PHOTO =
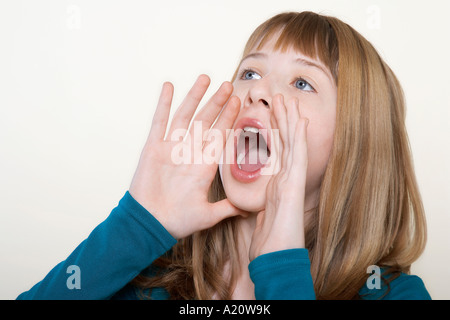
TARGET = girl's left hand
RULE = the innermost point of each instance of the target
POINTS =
(280, 226)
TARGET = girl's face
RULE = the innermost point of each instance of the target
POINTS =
(262, 75)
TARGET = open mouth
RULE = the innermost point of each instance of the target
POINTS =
(252, 150)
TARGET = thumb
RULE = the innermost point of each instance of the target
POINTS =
(260, 217)
(260, 220)
(225, 209)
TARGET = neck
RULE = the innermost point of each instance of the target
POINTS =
(244, 288)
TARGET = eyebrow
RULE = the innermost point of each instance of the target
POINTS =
(255, 55)
(312, 64)
(308, 63)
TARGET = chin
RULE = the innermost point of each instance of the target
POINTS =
(242, 203)
(250, 196)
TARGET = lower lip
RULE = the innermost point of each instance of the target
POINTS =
(240, 175)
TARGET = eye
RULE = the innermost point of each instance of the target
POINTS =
(250, 75)
(302, 84)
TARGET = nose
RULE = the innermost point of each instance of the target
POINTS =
(259, 94)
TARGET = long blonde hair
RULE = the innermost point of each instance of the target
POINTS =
(369, 210)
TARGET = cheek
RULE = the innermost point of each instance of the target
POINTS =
(320, 142)
(240, 91)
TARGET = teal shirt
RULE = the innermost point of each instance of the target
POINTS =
(130, 239)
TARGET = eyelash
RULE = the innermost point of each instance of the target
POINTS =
(242, 77)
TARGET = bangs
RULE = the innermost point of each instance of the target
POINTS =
(305, 32)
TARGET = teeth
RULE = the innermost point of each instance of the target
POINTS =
(251, 129)
(239, 159)
(253, 143)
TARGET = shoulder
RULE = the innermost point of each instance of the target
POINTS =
(401, 287)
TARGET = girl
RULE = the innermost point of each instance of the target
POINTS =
(341, 198)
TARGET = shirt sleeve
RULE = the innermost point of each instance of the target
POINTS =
(283, 275)
(404, 287)
(115, 252)
(408, 287)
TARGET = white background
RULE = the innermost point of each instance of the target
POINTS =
(79, 81)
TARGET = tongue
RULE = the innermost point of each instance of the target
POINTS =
(254, 159)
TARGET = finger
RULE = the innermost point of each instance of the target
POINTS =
(218, 134)
(185, 112)
(260, 220)
(280, 113)
(273, 165)
(221, 210)
(293, 117)
(162, 112)
(300, 150)
(205, 118)
(208, 114)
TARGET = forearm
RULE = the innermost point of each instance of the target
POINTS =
(283, 275)
(115, 252)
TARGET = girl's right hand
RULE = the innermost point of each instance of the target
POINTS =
(176, 194)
